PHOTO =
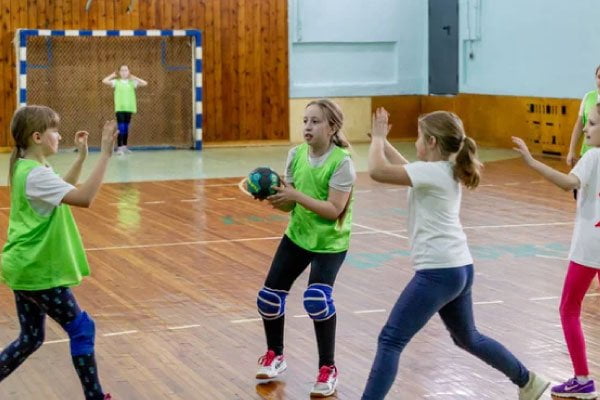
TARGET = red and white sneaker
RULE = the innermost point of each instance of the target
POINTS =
(326, 382)
(107, 397)
(270, 365)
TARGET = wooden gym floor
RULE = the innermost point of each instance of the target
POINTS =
(177, 264)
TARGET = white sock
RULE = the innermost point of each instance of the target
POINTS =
(582, 379)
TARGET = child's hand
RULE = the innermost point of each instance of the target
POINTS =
(285, 194)
(522, 149)
(380, 127)
(571, 159)
(81, 143)
(109, 135)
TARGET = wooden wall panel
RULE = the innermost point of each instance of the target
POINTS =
(545, 123)
(245, 51)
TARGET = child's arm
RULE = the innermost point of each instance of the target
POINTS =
(575, 135)
(84, 195)
(562, 180)
(140, 82)
(391, 153)
(386, 168)
(330, 209)
(108, 80)
(72, 176)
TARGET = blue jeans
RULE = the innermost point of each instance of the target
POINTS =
(446, 291)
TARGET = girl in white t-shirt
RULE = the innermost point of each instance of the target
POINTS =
(584, 255)
(444, 267)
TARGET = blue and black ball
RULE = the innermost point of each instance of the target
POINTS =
(261, 182)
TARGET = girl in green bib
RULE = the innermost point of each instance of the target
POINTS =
(318, 186)
(589, 100)
(43, 255)
(125, 102)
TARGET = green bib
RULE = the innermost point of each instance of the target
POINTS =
(41, 252)
(125, 96)
(307, 229)
(590, 100)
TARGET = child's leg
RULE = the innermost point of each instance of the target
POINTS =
(289, 262)
(576, 284)
(318, 299)
(458, 318)
(122, 128)
(61, 306)
(126, 123)
(425, 294)
(32, 319)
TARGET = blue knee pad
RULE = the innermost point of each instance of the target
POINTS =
(82, 332)
(318, 301)
(123, 128)
(271, 303)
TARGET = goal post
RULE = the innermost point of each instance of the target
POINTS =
(63, 69)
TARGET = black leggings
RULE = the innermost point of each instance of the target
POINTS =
(123, 121)
(289, 262)
(61, 306)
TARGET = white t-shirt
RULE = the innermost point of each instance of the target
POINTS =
(45, 189)
(343, 177)
(437, 239)
(113, 82)
(585, 245)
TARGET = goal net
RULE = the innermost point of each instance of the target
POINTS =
(64, 70)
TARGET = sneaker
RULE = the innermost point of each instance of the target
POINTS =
(119, 151)
(107, 396)
(574, 390)
(534, 389)
(126, 150)
(270, 365)
(326, 382)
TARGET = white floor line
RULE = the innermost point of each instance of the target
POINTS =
(120, 333)
(380, 231)
(189, 200)
(363, 191)
(301, 316)
(552, 257)
(518, 225)
(56, 341)
(512, 183)
(543, 298)
(155, 202)
(381, 310)
(175, 328)
(242, 321)
(227, 198)
(488, 302)
(172, 244)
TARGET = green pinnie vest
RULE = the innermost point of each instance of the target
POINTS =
(307, 229)
(590, 100)
(41, 252)
(125, 96)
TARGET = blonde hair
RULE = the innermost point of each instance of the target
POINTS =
(25, 122)
(448, 130)
(335, 118)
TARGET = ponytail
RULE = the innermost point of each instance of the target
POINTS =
(14, 156)
(467, 168)
(340, 140)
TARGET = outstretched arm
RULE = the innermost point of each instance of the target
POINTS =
(108, 79)
(560, 179)
(140, 82)
(386, 164)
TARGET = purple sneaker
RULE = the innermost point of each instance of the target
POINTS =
(575, 390)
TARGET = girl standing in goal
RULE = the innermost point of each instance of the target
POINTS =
(125, 102)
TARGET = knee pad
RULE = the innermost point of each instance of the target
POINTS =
(123, 127)
(271, 303)
(82, 332)
(318, 301)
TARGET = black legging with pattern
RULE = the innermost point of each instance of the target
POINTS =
(61, 306)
